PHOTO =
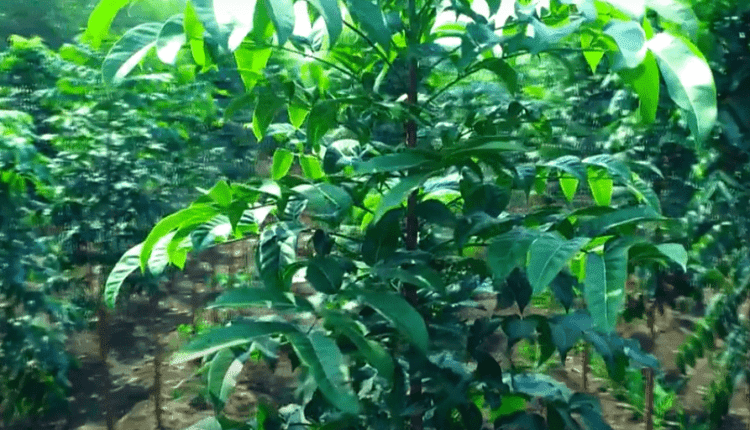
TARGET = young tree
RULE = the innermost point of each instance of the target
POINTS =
(395, 217)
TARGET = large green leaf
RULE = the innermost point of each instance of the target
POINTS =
(605, 283)
(127, 264)
(251, 60)
(397, 194)
(282, 162)
(329, 10)
(631, 40)
(382, 238)
(629, 215)
(248, 297)
(325, 274)
(101, 19)
(398, 162)
(194, 32)
(239, 333)
(370, 17)
(503, 70)
(217, 371)
(127, 52)
(227, 21)
(601, 185)
(635, 9)
(321, 119)
(644, 80)
(277, 248)
(281, 13)
(191, 215)
(548, 254)
(675, 252)
(678, 13)
(689, 81)
(325, 361)
(325, 202)
(171, 39)
(405, 319)
(373, 352)
(569, 164)
(508, 251)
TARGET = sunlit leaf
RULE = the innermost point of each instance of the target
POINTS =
(689, 81)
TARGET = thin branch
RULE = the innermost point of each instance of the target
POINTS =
(374, 46)
(313, 57)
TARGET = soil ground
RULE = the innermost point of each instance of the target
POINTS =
(132, 351)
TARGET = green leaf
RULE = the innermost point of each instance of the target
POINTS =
(277, 248)
(603, 223)
(325, 274)
(297, 114)
(398, 162)
(635, 9)
(321, 119)
(171, 39)
(373, 352)
(227, 21)
(520, 288)
(100, 21)
(605, 283)
(281, 13)
(395, 196)
(404, 318)
(370, 17)
(548, 255)
(124, 267)
(538, 385)
(325, 361)
(569, 186)
(217, 370)
(562, 288)
(503, 70)
(617, 169)
(282, 162)
(250, 64)
(601, 185)
(644, 80)
(325, 202)
(158, 260)
(191, 215)
(266, 109)
(508, 251)
(239, 333)
(418, 275)
(593, 57)
(311, 167)
(631, 40)
(569, 164)
(238, 298)
(127, 52)
(678, 13)
(689, 81)
(675, 252)
(194, 32)
(329, 10)
(382, 238)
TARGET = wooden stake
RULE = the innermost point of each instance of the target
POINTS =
(158, 357)
(585, 370)
(648, 378)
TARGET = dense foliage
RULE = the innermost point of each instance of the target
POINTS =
(431, 152)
